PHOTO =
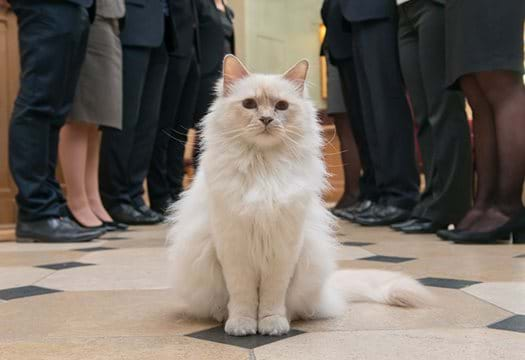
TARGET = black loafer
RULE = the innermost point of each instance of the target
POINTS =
(401, 225)
(154, 216)
(422, 227)
(127, 214)
(115, 226)
(383, 215)
(55, 230)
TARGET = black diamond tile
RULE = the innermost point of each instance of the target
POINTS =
(62, 266)
(520, 256)
(356, 243)
(25, 291)
(447, 283)
(218, 335)
(389, 259)
(98, 248)
(514, 323)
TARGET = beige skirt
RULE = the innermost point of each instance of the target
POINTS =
(98, 98)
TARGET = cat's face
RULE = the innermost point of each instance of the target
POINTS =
(264, 110)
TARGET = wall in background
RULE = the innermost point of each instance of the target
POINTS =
(272, 35)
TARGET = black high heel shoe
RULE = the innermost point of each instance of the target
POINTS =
(115, 226)
(99, 227)
(513, 230)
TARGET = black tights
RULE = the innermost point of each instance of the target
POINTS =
(350, 160)
(497, 99)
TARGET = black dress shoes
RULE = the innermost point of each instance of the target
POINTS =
(151, 215)
(161, 207)
(55, 230)
(360, 208)
(381, 215)
(403, 224)
(115, 226)
(422, 226)
(127, 214)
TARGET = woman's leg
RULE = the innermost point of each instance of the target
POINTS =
(350, 160)
(92, 188)
(73, 148)
(506, 94)
(485, 144)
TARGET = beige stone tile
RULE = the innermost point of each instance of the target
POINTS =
(34, 258)
(13, 246)
(428, 344)
(352, 252)
(99, 314)
(21, 276)
(130, 256)
(469, 267)
(507, 295)
(109, 277)
(453, 309)
(128, 348)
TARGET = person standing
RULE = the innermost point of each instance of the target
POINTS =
(166, 170)
(217, 36)
(385, 110)
(149, 34)
(485, 59)
(443, 130)
(51, 54)
(344, 105)
(97, 104)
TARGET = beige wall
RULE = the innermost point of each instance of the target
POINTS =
(274, 34)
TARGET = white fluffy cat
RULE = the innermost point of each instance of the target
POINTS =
(251, 242)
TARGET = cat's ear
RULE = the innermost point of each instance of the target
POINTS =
(232, 70)
(297, 74)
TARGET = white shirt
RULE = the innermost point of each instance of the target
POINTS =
(399, 2)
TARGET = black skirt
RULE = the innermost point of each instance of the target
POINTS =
(483, 35)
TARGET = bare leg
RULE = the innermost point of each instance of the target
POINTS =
(73, 147)
(350, 160)
(92, 188)
(485, 145)
(506, 95)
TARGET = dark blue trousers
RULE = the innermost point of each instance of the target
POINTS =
(52, 40)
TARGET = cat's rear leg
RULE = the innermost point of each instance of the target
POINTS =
(199, 287)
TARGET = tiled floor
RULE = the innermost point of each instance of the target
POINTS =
(110, 299)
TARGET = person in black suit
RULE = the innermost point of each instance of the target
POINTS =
(338, 43)
(385, 110)
(51, 54)
(149, 33)
(217, 36)
(443, 131)
(166, 170)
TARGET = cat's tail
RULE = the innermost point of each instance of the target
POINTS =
(385, 287)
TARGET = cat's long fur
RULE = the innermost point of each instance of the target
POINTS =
(251, 242)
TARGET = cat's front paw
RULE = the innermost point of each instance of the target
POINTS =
(241, 326)
(274, 325)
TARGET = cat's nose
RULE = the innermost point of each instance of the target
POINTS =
(266, 119)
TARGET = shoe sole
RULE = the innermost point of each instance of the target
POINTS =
(28, 239)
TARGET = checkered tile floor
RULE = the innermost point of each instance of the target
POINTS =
(111, 299)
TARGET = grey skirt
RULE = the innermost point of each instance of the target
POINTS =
(98, 98)
(483, 35)
(335, 102)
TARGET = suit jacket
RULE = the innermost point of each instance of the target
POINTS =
(146, 25)
(211, 36)
(185, 16)
(338, 39)
(362, 10)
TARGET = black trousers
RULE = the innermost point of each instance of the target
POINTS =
(387, 119)
(368, 189)
(125, 155)
(166, 172)
(52, 40)
(443, 131)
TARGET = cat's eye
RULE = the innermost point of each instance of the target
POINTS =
(281, 105)
(249, 103)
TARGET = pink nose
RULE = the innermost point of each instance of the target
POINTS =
(266, 119)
